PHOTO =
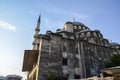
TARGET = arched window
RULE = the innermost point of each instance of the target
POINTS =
(79, 27)
(64, 48)
(75, 27)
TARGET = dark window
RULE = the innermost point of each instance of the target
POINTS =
(64, 48)
(65, 78)
(76, 50)
(64, 61)
(77, 76)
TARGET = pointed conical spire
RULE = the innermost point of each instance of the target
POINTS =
(38, 24)
(39, 18)
(37, 29)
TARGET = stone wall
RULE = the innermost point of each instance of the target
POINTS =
(50, 59)
(96, 57)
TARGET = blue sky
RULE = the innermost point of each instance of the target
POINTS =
(18, 20)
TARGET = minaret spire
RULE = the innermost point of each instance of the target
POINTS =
(39, 18)
(37, 29)
(38, 24)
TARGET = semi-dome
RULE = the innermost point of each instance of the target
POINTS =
(114, 44)
(83, 31)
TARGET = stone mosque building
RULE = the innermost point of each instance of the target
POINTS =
(73, 52)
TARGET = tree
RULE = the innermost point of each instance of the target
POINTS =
(114, 61)
(52, 76)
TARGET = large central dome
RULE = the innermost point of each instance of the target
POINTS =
(75, 27)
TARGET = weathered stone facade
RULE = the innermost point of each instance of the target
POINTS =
(72, 52)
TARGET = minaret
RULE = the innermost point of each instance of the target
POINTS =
(37, 30)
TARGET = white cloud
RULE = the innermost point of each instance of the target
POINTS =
(7, 25)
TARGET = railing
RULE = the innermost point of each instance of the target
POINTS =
(33, 71)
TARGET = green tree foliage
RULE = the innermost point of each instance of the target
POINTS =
(52, 76)
(114, 61)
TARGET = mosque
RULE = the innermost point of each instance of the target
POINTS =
(73, 52)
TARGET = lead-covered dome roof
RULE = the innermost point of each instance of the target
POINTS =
(76, 23)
